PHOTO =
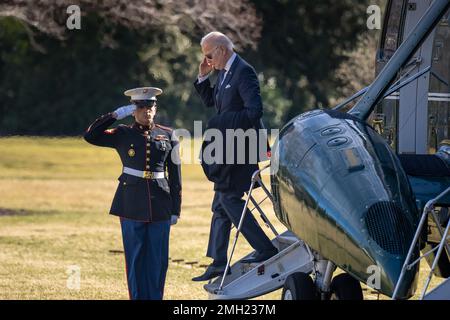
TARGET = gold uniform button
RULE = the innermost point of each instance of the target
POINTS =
(148, 167)
(148, 159)
(148, 151)
(124, 183)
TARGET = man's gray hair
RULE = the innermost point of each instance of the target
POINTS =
(218, 38)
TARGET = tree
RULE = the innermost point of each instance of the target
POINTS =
(304, 42)
(236, 18)
(55, 81)
(359, 69)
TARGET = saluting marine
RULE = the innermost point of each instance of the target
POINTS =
(147, 200)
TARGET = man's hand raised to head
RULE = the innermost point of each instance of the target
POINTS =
(204, 68)
(124, 111)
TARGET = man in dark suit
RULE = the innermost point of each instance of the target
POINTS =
(236, 97)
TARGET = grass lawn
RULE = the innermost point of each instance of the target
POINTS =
(55, 195)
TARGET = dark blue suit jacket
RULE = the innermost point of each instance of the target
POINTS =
(239, 106)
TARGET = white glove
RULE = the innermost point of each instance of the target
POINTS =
(124, 111)
(173, 220)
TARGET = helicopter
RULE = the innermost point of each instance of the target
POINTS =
(354, 189)
(365, 186)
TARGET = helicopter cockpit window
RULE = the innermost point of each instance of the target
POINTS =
(385, 116)
(392, 31)
(416, 118)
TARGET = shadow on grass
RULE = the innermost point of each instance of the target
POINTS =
(4, 212)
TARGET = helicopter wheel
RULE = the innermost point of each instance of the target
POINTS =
(345, 287)
(299, 286)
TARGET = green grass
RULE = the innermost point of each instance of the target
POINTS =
(62, 190)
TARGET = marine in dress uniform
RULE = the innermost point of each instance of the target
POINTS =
(148, 197)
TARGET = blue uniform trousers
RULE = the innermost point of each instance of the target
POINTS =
(146, 247)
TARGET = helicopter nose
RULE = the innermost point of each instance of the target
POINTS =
(389, 270)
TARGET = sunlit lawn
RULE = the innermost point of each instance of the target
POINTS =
(55, 196)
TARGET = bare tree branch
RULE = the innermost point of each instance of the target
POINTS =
(236, 18)
(33, 42)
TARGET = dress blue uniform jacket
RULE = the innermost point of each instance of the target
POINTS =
(239, 106)
(144, 149)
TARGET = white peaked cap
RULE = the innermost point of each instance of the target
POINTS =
(145, 93)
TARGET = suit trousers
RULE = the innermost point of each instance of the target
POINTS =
(227, 209)
(146, 247)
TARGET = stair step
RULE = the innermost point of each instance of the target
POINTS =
(441, 292)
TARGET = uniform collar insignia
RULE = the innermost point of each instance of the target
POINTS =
(161, 137)
(141, 128)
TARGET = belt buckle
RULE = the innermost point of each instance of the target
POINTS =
(148, 175)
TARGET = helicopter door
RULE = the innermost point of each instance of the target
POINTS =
(416, 119)
(413, 98)
(439, 90)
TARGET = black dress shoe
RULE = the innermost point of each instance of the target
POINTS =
(211, 272)
(261, 256)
